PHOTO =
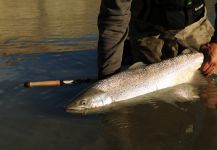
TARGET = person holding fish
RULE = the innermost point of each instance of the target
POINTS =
(156, 30)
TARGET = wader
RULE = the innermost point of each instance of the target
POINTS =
(150, 39)
(168, 44)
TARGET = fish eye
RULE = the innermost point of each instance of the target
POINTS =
(83, 102)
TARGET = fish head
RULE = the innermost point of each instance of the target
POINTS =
(89, 100)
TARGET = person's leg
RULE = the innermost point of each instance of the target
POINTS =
(113, 24)
(146, 49)
(196, 35)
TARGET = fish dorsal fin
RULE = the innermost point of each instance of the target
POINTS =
(137, 65)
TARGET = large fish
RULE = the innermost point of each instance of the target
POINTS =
(139, 80)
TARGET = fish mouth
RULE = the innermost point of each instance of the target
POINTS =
(82, 110)
(75, 109)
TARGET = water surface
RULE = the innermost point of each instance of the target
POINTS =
(54, 39)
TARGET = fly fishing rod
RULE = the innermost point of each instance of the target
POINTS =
(56, 82)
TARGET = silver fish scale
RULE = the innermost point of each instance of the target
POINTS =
(146, 79)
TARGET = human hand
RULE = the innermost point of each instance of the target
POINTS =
(210, 59)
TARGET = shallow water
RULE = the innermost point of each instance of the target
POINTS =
(53, 39)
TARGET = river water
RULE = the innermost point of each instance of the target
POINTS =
(54, 39)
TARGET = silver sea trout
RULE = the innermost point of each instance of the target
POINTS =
(139, 80)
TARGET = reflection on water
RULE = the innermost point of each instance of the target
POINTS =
(143, 126)
(54, 39)
(28, 26)
(187, 125)
(51, 43)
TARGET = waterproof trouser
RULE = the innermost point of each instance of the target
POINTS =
(113, 24)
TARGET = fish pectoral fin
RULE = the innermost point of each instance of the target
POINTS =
(137, 65)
